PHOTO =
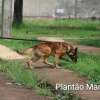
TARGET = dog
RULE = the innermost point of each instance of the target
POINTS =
(46, 49)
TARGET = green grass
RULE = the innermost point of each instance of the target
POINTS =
(14, 44)
(69, 28)
(67, 95)
(90, 42)
(87, 65)
(62, 28)
(17, 72)
(95, 42)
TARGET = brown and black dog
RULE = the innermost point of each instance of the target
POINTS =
(46, 49)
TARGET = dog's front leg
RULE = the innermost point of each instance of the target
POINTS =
(29, 64)
(46, 61)
(57, 61)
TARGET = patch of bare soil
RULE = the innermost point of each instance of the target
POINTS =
(14, 92)
(89, 49)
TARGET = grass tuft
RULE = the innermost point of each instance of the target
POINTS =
(18, 73)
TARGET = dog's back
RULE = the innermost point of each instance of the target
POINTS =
(48, 48)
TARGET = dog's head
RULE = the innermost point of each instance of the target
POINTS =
(73, 54)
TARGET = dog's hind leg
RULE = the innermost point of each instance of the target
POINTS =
(32, 60)
(36, 58)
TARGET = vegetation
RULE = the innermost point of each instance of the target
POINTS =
(89, 42)
(87, 65)
(18, 73)
(14, 44)
(67, 96)
(67, 29)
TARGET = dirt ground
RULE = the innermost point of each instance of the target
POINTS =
(89, 49)
(44, 72)
(13, 92)
(62, 76)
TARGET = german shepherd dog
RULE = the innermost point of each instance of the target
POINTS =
(46, 49)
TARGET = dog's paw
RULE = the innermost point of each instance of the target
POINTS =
(58, 67)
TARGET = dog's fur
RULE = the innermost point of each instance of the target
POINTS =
(46, 49)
